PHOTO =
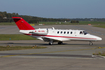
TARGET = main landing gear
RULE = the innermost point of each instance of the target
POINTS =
(90, 43)
(60, 42)
(51, 42)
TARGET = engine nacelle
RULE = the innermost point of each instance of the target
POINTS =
(39, 31)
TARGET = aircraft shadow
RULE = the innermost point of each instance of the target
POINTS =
(54, 55)
(46, 44)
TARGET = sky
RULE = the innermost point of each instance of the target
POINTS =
(55, 8)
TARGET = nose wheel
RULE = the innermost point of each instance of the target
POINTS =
(90, 43)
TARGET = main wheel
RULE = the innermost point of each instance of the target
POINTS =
(60, 42)
(50, 43)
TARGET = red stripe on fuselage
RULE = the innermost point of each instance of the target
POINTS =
(61, 36)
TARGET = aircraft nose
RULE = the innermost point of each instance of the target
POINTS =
(99, 38)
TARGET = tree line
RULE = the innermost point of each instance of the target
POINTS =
(7, 17)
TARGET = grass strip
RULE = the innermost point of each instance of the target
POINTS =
(68, 23)
(60, 23)
(7, 23)
(99, 53)
(4, 37)
(101, 26)
(6, 48)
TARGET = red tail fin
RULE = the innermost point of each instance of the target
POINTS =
(22, 24)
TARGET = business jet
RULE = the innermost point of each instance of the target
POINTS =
(52, 35)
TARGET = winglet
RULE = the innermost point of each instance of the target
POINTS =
(22, 24)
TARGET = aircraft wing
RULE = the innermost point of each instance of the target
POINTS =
(53, 38)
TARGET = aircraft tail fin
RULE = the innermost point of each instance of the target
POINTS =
(22, 24)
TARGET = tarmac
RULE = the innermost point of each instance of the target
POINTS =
(72, 55)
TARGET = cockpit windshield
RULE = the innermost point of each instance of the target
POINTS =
(83, 32)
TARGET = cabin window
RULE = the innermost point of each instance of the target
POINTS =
(64, 32)
(61, 32)
(67, 32)
(71, 32)
(58, 32)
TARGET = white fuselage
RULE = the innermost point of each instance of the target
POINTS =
(54, 35)
(47, 34)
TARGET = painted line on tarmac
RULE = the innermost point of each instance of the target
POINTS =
(8, 56)
(52, 52)
(68, 50)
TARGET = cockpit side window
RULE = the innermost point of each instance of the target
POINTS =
(81, 32)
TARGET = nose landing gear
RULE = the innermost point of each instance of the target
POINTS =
(90, 43)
